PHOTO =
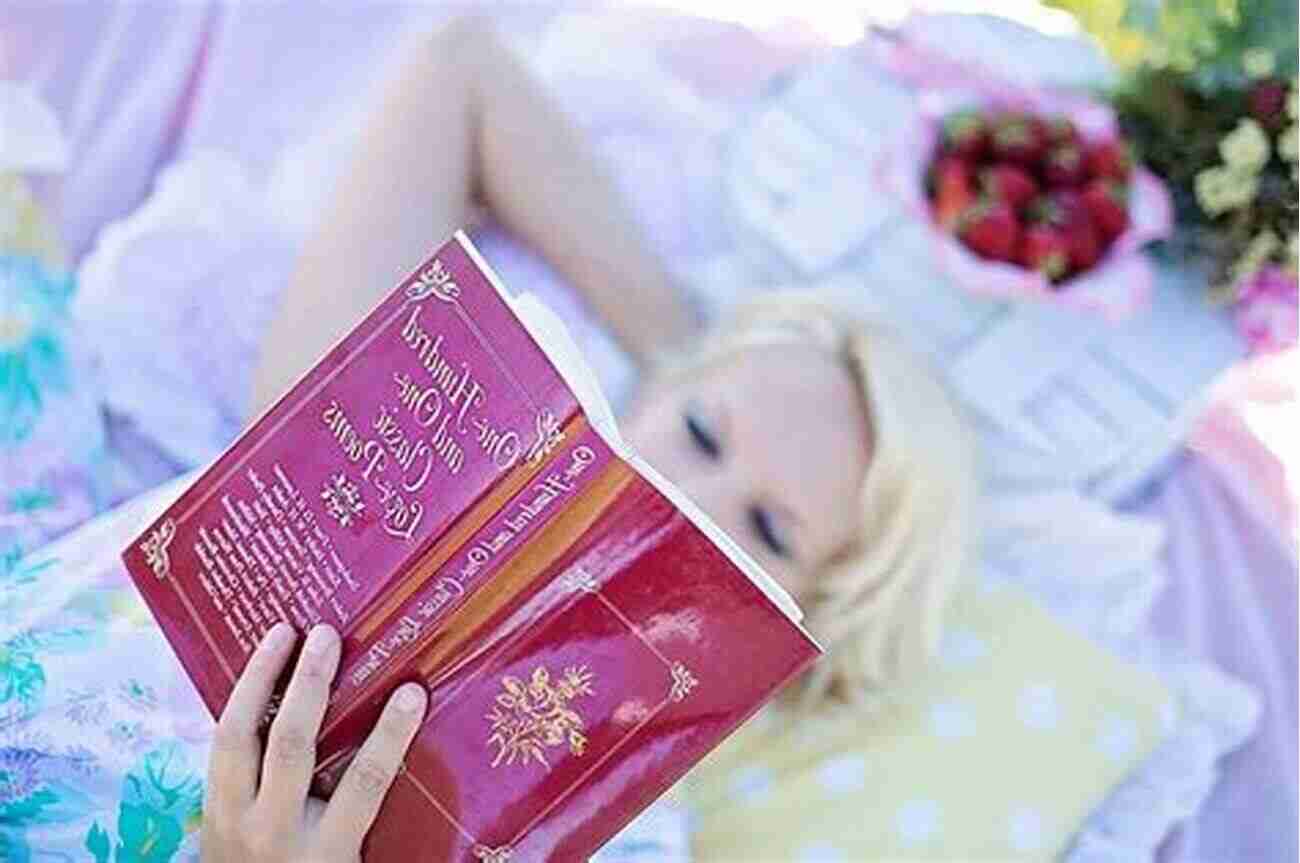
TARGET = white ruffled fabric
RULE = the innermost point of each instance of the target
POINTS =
(1099, 571)
(178, 296)
(32, 141)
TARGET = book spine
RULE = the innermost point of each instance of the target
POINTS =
(432, 590)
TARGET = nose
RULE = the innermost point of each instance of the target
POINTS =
(707, 489)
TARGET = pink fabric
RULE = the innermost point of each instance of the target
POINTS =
(1231, 599)
(1223, 438)
(1266, 309)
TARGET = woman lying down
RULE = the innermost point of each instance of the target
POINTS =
(831, 456)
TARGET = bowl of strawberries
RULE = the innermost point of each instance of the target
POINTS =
(1034, 197)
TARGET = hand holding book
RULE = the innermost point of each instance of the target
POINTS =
(258, 809)
(448, 490)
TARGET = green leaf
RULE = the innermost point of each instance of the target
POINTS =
(27, 810)
(163, 782)
(21, 677)
(97, 843)
(64, 640)
(146, 835)
(14, 847)
(13, 564)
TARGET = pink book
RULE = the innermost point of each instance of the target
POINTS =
(448, 488)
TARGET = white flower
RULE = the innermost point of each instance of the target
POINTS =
(1264, 244)
(30, 137)
(1286, 144)
(1292, 109)
(1245, 147)
(1221, 189)
(1256, 254)
(1258, 62)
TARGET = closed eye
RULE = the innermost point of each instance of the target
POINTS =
(761, 520)
(704, 437)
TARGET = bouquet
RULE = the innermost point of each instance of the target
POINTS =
(1208, 98)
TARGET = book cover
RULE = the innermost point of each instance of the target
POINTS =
(435, 489)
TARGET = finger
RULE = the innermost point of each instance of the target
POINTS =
(236, 749)
(291, 744)
(361, 792)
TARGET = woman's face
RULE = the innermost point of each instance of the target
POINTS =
(772, 442)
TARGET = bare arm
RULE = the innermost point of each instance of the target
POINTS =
(464, 121)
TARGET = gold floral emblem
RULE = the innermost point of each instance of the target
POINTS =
(578, 579)
(530, 717)
(683, 682)
(343, 501)
(549, 435)
(155, 548)
(434, 280)
(493, 855)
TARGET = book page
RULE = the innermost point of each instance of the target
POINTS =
(553, 337)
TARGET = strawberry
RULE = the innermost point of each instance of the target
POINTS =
(1018, 138)
(1060, 208)
(1107, 205)
(1064, 210)
(1083, 244)
(1009, 183)
(1109, 158)
(965, 133)
(1045, 249)
(1064, 166)
(990, 230)
(952, 190)
(1060, 130)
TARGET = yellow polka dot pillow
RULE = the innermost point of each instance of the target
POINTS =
(1017, 732)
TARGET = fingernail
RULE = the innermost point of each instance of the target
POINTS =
(277, 636)
(320, 639)
(409, 698)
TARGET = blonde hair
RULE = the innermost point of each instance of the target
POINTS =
(878, 605)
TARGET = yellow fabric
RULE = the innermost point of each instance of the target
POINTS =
(24, 228)
(1019, 729)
